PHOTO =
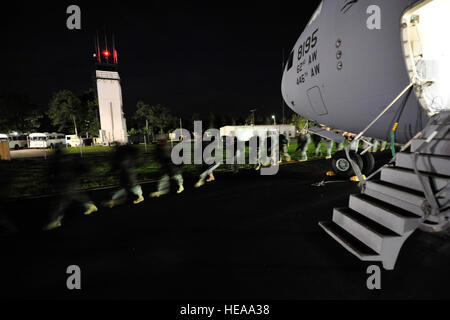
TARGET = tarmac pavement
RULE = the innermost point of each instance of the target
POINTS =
(243, 236)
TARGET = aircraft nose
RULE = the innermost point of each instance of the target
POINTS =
(284, 88)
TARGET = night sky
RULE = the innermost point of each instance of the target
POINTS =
(222, 58)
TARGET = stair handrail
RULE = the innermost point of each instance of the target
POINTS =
(351, 145)
(403, 148)
(425, 181)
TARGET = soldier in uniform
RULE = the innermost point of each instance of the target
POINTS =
(124, 164)
(64, 177)
(168, 168)
(303, 142)
(208, 169)
(317, 140)
(283, 144)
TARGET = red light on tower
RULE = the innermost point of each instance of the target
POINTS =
(106, 53)
(115, 56)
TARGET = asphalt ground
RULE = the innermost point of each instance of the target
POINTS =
(243, 236)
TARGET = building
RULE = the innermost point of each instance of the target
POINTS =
(244, 133)
(113, 126)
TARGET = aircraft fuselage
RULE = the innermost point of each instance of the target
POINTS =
(348, 65)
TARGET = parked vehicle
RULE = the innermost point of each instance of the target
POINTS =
(73, 141)
(46, 140)
(15, 139)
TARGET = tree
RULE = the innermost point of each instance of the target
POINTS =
(158, 117)
(88, 116)
(249, 120)
(241, 120)
(212, 121)
(32, 121)
(219, 120)
(142, 115)
(64, 107)
(232, 119)
(259, 119)
(196, 117)
(298, 121)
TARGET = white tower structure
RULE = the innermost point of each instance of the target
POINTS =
(113, 127)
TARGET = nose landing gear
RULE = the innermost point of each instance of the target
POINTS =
(343, 168)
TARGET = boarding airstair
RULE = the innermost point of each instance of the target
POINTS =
(410, 192)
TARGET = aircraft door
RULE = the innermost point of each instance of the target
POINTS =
(427, 53)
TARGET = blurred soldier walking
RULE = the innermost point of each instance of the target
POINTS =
(65, 176)
(329, 148)
(284, 148)
(328, 145)
(255, 150)
(168, 169)
(318, 143)
(232, 146)
(208, 168)
(124, 164)
(6, 225)
(376, 143)
(367, 143)
(303, 142)
(341, 145)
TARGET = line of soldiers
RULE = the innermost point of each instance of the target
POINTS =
(305, 138)
(65, 174)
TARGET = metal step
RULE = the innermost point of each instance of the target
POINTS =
(426, 163)
(435, 146)
(393, 218)
(367, 231)
(350, 243)
(388, 211)
(397, 196)
(408, 179)
(444, 132)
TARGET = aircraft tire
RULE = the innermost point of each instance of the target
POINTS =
(368, 163)
(342, 166)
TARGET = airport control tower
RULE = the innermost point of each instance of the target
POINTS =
(113, 126)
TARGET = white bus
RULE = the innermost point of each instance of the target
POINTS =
(18, 140)
(46, 140)
(15, 140)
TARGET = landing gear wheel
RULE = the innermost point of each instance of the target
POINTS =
(368, 163)
(342, 166)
